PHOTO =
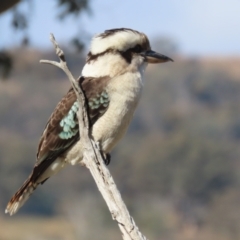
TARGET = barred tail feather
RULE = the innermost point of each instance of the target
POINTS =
(21, 196)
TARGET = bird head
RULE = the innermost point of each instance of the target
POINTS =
(116, 50)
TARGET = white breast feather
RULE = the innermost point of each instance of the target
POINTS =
(124, 92)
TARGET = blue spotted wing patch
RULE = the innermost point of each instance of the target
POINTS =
(69, 123)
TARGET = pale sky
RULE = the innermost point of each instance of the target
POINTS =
(200, 27)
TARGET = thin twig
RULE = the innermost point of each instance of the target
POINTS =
(93, 160)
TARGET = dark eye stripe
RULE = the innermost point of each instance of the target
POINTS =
(137, 49)
(127, 55)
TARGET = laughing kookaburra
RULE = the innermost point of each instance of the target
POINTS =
(112, 80)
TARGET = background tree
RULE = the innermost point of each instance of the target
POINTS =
(20, 21)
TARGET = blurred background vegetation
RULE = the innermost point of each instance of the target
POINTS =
(177, 168)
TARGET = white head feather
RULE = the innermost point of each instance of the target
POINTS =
(112, 39)
(106, 45)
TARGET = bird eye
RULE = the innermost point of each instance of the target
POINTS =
(137, 49)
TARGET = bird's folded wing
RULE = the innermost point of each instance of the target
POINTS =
(62, 129)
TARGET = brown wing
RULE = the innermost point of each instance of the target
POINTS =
(61, 130)
(51, 143)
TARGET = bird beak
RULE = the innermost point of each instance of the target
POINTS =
(154, 57)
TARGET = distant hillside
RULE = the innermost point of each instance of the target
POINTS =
(230, 65)
(177, 168)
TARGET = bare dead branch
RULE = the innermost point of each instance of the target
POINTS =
(93, 160)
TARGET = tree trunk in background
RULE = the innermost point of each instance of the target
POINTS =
(5, 5)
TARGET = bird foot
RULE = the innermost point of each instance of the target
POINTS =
(106, 158)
